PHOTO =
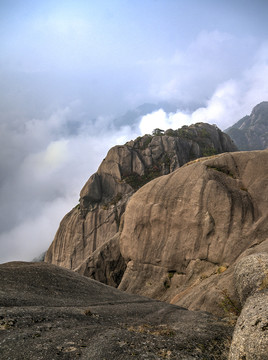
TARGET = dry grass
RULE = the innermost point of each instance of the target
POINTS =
(87, 312)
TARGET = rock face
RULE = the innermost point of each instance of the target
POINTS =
(47, 312)
(250, 274)
(250, 339)
(106, 265)
(183, 232)
(95, 221)
(251, 132)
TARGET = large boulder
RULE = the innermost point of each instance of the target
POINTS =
(250, 339)
(183, 232)
(249, 274)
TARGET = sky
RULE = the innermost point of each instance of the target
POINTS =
(73, 77)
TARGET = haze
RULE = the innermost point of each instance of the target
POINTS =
(70, 70)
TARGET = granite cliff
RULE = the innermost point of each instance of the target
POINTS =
(89, 233)
(175, 237)
(251, 132)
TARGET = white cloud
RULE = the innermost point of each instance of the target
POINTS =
(48, 169)
(34, 234)
(160, 119)
(192, 74)
(231, 100)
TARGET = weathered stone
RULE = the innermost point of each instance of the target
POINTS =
(249, 274)
(125, 169)
(47, 312)
(106, 264)
(250, 339)
(80, 234)
(91, 192)
(191, 224)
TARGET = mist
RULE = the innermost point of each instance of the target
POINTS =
(74, 78)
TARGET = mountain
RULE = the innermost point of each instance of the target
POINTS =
(251, 132)
(95, 221)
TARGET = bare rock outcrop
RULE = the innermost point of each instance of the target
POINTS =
(126, 168)
(47, 312)
(251, 132)
(106, 264)
(250, 273)
(183, 232)
(250, 338)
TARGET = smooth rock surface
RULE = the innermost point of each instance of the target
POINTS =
(183, 232)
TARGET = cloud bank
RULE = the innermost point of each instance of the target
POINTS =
(43, 168)
(230, 101)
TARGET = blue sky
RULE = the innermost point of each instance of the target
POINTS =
(68, 69)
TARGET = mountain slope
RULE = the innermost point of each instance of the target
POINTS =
(48, 312)
(251, 132)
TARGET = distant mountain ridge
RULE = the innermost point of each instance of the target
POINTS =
(251, 132)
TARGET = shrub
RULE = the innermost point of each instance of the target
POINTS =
(209, 151)
(229, 306)
(158, 132)
(136, 181)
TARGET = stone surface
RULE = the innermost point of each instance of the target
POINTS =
(250, 339)
(251, 132)
(47, 312)
(125, 169)
(106, 264)
(183, 232)
(249, 275)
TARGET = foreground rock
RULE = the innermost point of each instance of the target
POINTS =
(251, 274)
(47, 312)
(125, 169)
(183, 233)
(251, 132)
(250, 339)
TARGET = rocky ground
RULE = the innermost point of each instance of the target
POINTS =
(47, 312)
